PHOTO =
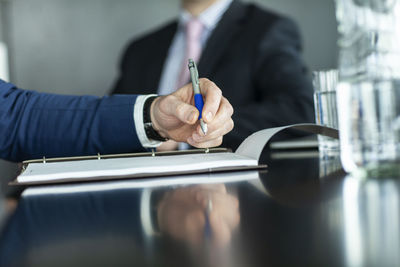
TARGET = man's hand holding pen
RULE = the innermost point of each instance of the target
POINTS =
(175, 117)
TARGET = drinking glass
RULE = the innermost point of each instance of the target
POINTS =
(325, 108)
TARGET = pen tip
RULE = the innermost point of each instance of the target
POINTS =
(203, 126)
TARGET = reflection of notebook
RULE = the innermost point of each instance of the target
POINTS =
(195, 179)
(142, 165)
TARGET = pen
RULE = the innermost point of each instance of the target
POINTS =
(198, 98)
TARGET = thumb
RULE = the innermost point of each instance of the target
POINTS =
(181, 110)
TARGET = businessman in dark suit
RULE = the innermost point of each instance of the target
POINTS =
(33, 125)
(252, 54)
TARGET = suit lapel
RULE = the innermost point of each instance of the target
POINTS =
(221, 38)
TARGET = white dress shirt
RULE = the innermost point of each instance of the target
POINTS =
(173, 63)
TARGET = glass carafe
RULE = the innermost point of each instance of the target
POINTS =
(368, 94)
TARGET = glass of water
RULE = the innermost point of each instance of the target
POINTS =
(325, 107)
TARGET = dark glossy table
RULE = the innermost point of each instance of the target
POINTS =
(303, 211)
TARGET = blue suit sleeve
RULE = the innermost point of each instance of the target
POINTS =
(34, 125)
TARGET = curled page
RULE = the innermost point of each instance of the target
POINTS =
(253, 145)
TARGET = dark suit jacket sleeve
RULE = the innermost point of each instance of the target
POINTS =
(281, 82)
(33, 125)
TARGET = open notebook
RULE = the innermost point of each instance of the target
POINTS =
(142, 165)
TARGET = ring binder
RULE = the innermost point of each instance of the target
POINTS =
(135, 165)
(125, 155)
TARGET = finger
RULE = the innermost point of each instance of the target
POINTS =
(173, 106)
(224, 115)
(219, 132)
(185, 93)
(210, 143)
(212, 99)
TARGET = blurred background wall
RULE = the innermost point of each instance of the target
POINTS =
(73, 46)
(7, 169)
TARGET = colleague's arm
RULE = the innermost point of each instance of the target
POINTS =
(36, 125)
(282, 83)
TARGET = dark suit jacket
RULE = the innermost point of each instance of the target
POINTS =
(253, 55)
(34, 125)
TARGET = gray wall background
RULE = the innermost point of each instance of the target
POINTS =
(1, 24)
(73, 46)
(7, 169)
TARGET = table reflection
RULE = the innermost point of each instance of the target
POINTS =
(302, 180)
(103, 226)
(300, 212)
(7, 208)
(371, 211)
(2, 212)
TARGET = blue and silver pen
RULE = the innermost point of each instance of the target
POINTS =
(198, 98)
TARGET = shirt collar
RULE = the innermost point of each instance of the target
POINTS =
(208, 17)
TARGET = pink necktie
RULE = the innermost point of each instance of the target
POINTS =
(194, 28)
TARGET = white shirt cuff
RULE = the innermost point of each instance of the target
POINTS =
(138, 119)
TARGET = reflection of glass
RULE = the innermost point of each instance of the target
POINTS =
(369, 90)
(329, 165)
(371, 212)
(325, 107)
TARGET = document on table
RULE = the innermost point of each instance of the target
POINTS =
(245, 158)
(134, 167)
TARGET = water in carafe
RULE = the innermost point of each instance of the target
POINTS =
(368, 95)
